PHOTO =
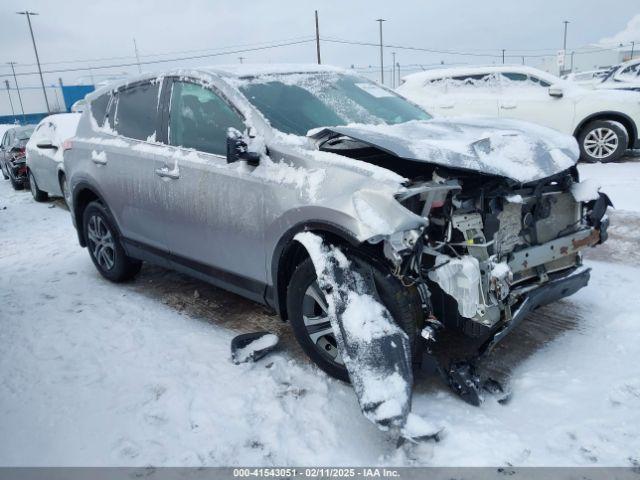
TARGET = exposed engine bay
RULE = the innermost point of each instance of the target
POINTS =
(492, 250)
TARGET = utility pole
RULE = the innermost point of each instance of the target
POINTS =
(503, 50)
(398, 70)
(241, 59)
(44, 91)
(318, 39)
(135, 49)
(633, 44)
(380, 20)
(564, 44)
(572, 54)
(15, 79)
(6, 82)
(393, 70)
(523, 59)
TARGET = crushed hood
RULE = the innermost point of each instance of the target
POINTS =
(514, 149)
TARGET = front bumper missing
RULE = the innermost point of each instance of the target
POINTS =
(555, 249)
(554, 289)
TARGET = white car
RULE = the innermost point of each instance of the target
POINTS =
(625, 76)
(44, 155)
(605, 122)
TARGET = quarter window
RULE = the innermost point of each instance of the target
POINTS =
(199, 119)
(136, 111)
(99, 108)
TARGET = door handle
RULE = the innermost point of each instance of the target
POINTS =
(447, 107)
(509, 106)
(164, 172)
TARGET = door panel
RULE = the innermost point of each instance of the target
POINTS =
(527, 98)
(464, 95)
(214, 210)
(125, 165)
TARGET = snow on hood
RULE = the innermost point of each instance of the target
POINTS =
(514, 149)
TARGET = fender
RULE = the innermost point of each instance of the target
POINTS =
(275, 294)
(81, 186)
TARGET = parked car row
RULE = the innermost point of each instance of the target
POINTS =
(33, 155)
(463, 225)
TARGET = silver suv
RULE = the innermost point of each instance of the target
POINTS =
(464, 225)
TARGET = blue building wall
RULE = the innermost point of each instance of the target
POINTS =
(29, 118)
(73, 93)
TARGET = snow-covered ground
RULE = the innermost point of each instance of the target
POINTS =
(93, 373)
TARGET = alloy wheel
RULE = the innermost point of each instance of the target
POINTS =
(316, 320)
(101, 244)
(601, 142)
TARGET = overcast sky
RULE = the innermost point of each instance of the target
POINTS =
(81, 29)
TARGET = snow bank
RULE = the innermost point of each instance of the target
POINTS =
(618, 180)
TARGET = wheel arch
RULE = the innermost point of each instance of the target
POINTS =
(623, 118)
(289, 253)
(83, 194)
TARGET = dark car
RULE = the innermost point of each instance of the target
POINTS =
(13, 160)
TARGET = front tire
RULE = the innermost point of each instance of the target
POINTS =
(306, 310)
(603, 141)
(38, 195)
(104, 245)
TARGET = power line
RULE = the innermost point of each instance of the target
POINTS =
(173, 52)
(165, 60)
(455, 52)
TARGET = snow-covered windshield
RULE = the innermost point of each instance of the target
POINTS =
(298, 102)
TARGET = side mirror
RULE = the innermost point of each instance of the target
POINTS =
(47, 146)
(237, 149)
(556, 91)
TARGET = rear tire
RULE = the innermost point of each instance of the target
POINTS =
(38, 195)
(403, 304)
(16, 184)
(64, 188)
(3, 167)
(602, 141)
(105, 248)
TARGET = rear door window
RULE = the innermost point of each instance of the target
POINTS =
(199, 118)
(136, 111)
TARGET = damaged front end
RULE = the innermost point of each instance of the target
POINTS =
(491, 250)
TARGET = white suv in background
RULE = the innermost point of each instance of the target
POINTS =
(605, 122)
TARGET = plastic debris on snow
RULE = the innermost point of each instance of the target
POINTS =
(252, 346)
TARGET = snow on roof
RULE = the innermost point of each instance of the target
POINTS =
(257, 69)
(235, 70)
(473, 70)
(66, 124)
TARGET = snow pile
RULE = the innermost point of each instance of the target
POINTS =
(586, 190)
(618, 180)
